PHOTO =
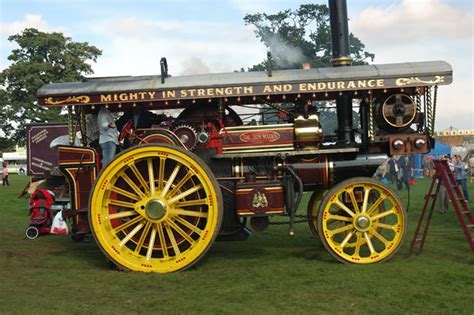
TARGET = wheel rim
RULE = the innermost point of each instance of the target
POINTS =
(314, 204)
(362, 221)
(155, 208)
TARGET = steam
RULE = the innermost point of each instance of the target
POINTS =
(284, 55)
(194, 65)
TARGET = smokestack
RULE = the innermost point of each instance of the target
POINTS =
(341, 56)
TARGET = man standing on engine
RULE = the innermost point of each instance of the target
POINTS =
(108, 138)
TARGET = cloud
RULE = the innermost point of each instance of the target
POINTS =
(425, 30)
(28, 21)
(252, 6)
(413, 20)
(190, 46)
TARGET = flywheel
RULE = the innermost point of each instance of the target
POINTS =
(155, 208)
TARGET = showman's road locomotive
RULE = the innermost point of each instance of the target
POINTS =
(205, 173)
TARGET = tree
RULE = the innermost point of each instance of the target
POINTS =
(300, 36)
(40, 59)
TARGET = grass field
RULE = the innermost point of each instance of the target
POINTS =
(269, 273)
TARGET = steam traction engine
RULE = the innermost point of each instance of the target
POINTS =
(205, 173)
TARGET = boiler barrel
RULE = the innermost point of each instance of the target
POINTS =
(325, 171)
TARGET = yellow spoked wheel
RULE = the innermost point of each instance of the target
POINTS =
(155, 208)
(362, 221)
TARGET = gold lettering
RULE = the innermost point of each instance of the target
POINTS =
(277, 88)
(371, 83)
(210, 92)
(321, 86)
(115, 97)
(201, 92)
(312, 87)
(228, 91)
(123, 97)
(142, 95)
(133, 96)
(248, 89)
(340, 85)
(183, 93)
(303, 86)
(238, 89)
(361, 84)
(219, 91)
(105, 98)
(152, 95)
(287, 87)
(380, 83)
(267, 89)
(331, 85)
(192, 92)
(351, 85)
(170, 94)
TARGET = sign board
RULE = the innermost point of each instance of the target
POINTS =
(40, 156)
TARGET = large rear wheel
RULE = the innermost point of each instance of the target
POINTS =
(155, 208)
(362, 221)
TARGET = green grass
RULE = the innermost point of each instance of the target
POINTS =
(269, 273)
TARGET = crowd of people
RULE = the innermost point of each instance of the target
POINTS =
(399, 171)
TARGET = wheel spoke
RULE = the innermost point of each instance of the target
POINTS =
(369, 243)
(346, 239)
(180, 231)
(196, 202)
(161, 235)
(359, 242)
(189, 225)
(384, 226)
(128, 224)
(119, 215)
(161, 173)
(379, 237)
(339, 218)
(341, 229)
(343, 207)
(366, 199)
(181, 183)
(124, 193)
(151, 243)
(170, 180)
(172, 239)
(184, 194)
(122, 203)
(151, 176)
(375, 204)
(382, 215)
(354, 201)
(143, 237)
(131, 234)
(189, 213)
(132, 185)
(139, 176)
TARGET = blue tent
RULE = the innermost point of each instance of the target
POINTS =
(439, 149)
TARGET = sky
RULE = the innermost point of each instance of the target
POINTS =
(204, 36)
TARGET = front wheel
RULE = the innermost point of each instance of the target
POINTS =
(362, 221)
(155, 208)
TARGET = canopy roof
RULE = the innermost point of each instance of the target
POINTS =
(176, 91)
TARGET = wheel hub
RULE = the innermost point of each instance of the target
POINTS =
(362, 223)
(155, 209)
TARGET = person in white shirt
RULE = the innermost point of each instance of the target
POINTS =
(108, 136)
